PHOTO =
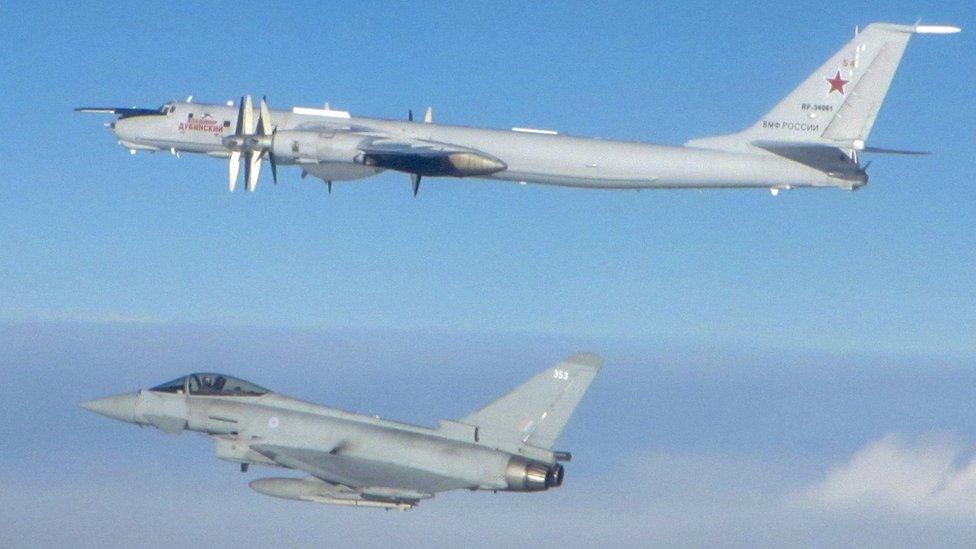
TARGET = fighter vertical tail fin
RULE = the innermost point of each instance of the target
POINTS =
(536, 412)
(838, 103)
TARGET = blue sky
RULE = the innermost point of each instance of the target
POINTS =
(743, 332)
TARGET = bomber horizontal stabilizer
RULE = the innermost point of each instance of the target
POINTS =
(879, 150)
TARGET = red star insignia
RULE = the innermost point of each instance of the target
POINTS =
(837, 83)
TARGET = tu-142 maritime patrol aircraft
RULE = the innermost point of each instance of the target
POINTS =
(366, 461)
(812, 138)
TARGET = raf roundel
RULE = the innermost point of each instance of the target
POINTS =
(273, 422)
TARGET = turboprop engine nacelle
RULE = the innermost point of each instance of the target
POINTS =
(305, 146)
(523, 475)
(245, 143)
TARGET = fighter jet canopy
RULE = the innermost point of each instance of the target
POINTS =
(210, 384)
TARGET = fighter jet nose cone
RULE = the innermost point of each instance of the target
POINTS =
(120, 407)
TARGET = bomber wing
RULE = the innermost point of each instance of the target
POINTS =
(417, 157)
(414, 156)
(429, 158)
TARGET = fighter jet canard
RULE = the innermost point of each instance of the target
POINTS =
(360, 460)
(813, 138)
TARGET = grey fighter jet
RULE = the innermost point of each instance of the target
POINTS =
(359, 460)
(813, 138)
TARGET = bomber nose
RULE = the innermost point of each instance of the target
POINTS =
(115, 127)
(120, 407)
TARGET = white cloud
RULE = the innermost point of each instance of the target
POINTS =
(928, 475)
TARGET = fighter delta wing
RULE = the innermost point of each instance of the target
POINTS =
(365, 461)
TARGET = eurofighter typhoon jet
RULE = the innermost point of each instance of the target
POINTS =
(812, 138)
(359, 460)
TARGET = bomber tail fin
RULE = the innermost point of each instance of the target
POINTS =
(536, 412)
(836, 106)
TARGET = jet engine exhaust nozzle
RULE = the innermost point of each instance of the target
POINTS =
(523, 475)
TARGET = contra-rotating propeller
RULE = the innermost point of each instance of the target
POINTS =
(253, 142)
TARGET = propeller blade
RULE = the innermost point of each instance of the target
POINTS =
(415, 180)
(239, 128)
(252, 170)
(248, 109)
(274, 167)
(264, 120)
(410, 115)
(232, 168)
(429, 116)
(247, 171)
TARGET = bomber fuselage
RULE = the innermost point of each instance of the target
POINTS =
(320, 141)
